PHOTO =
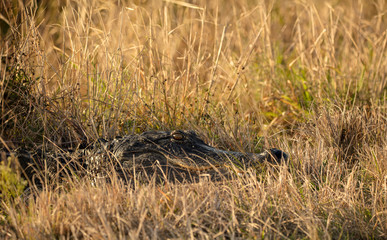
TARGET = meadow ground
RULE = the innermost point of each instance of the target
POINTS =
(307, 77)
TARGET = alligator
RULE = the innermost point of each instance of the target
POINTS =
(170, 155)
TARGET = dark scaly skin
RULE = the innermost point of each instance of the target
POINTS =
(177, 155)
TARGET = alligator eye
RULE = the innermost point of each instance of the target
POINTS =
(177, 136)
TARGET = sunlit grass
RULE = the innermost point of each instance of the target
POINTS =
(307, 77)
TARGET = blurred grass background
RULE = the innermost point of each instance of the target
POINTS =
(308, 77)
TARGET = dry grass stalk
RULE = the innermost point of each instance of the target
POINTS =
(306, 77)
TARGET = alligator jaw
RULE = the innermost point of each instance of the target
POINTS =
(246, 159)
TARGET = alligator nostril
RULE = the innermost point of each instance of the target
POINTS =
(278, 154)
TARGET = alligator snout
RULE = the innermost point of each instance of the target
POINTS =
(272, 155)
(218, 157)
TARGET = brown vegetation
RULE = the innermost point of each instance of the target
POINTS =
(307, 77)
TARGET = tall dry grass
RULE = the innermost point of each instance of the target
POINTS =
(308, 77)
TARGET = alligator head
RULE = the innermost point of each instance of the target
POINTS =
(175, 153)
